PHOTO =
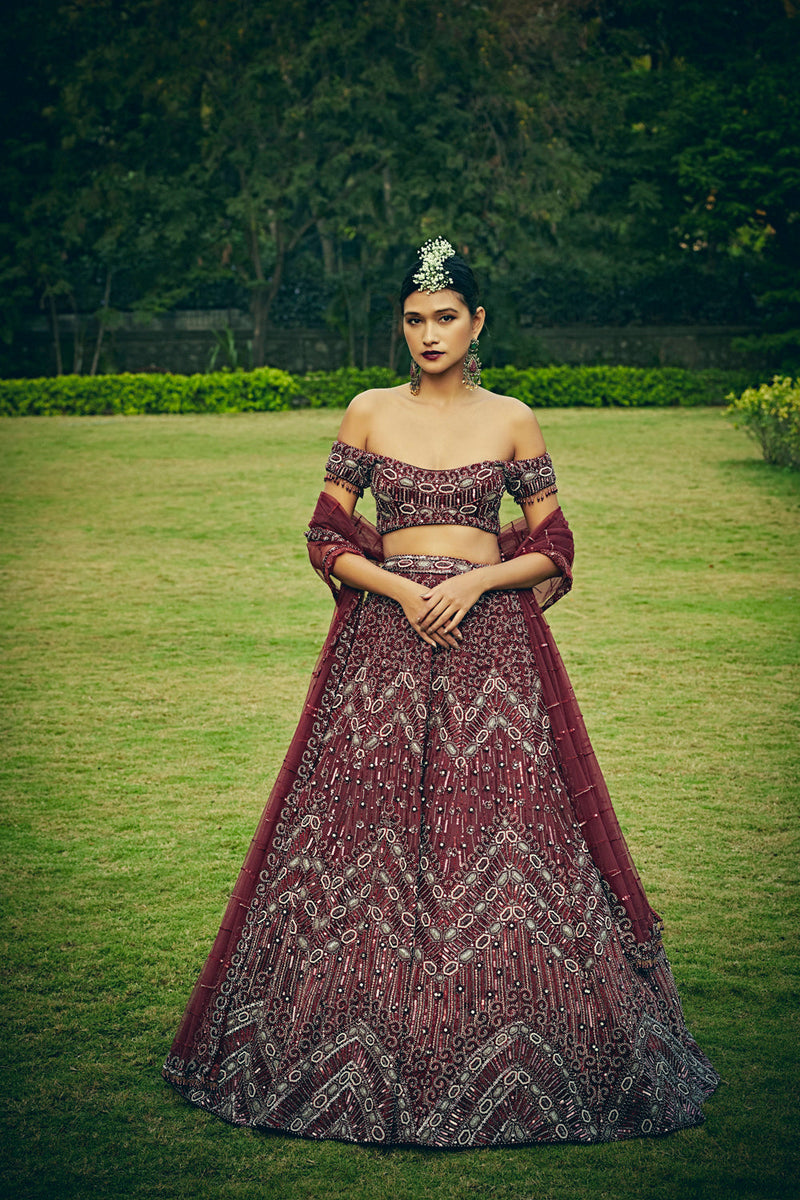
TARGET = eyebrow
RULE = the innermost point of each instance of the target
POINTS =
(413, 313)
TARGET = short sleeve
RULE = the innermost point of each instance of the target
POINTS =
(530, 478)
(349, 467)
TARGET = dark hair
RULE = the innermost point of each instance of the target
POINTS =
(461, 274)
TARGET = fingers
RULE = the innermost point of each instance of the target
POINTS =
(446, 622)
(443, 638)
(452, 640)
(431, 637)
(438, 613)
(448, 641)
(431, 619)
(440, 638)
(448, 627)
(439, 642)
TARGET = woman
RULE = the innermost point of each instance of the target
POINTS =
(438, 936)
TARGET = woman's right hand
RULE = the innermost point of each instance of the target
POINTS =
(409, 597)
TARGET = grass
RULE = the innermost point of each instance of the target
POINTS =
(159, 626)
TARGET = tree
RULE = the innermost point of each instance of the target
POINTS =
(724, 116)
(625, 162)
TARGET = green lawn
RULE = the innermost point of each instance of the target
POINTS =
(159, 624)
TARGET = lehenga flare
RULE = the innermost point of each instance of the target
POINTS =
(438, 936)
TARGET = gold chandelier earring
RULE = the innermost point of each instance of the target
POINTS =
(415, 375)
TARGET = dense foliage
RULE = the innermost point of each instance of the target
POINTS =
(771, 414)
(597, 162)
(268, 390)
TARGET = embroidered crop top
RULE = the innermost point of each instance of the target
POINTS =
(407, 496)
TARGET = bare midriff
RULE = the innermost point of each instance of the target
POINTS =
(447, 541)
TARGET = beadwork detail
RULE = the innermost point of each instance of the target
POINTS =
(408, 496)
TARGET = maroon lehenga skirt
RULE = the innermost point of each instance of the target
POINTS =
(430, 955)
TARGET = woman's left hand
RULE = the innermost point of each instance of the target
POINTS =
(450, 601)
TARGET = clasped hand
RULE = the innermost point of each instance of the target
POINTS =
(436, 613)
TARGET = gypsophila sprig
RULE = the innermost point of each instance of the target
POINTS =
(432, 277)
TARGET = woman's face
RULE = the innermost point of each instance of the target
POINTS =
(438, 328)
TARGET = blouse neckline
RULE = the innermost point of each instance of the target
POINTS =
(484, 462)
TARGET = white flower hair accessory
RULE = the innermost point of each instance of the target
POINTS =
(431, 276)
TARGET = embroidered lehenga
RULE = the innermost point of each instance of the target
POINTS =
(438, 936)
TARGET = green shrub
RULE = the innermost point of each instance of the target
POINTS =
(623, 387)
(265, 389)
(271, 390)
(335, 389)
(771, 414)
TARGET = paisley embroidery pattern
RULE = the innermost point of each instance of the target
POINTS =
(431, 956)
(407, 496)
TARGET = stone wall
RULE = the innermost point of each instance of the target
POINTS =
(642, 345)
(183, 343)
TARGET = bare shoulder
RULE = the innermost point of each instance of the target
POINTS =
(357, 421)
(366, 401)
(522, 425)
(359, 418)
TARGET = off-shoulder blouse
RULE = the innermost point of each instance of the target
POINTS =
(407, 496)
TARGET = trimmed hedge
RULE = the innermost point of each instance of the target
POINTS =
(335, 389)
(618, 387)
(265, 389)
(270, 390)
(771, 414)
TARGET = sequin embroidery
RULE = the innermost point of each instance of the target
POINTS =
(407, 496)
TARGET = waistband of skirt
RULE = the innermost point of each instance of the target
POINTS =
(431, 564)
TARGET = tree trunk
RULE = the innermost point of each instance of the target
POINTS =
(264, 291)
(260, 306)
(351, 324)
(78, 340)
(56, 331)
(328, 253)
(101, 325)
(394, 339)
(365, 340)
(387, 195)
(78, 345)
